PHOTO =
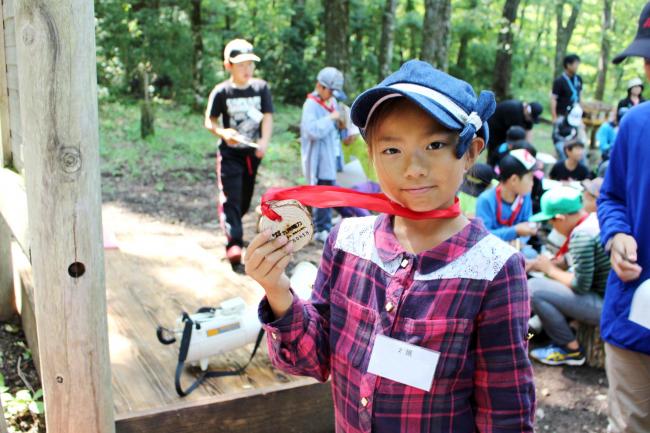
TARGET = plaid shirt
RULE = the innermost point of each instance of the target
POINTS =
(466, 298)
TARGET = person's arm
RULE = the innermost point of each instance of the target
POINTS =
(615, 229)
(213, 118)
(582, 251)
(486, 211)
(313, 124)
(554, 95)
(265, 138)
(298, 335)
(504, 391)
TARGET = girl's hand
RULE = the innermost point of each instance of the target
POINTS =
(266, 260)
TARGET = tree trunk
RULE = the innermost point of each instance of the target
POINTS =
(436, 30)
(197, 55)
(146, 110)
(604, 50)
(563, 32)
(387, 38)
(413, 30)
(461, 60)
(589, 338)
(503, 63)
(336, 33)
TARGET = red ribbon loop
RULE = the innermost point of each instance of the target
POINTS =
(334, 196)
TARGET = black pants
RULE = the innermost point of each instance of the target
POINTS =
(236, 171)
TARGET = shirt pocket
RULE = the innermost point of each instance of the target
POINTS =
(450, 337)
(355, 325)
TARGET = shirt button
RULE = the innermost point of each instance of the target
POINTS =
(389, 306)
(404, 263)
(364, 402)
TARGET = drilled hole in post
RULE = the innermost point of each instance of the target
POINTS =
(76, 269)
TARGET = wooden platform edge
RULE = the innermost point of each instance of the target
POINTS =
(287, 408)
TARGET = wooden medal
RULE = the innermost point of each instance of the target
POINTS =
(296, 223)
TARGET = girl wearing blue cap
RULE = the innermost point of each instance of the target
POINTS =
(420, 323)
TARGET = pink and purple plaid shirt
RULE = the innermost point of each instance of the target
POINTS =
(466, 298)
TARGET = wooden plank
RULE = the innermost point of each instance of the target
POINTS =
(11, 55)
(297, 409)
(5, 143)
(16, 129)
(13, 207)
(57, 40)
(3, 423)
(10, 32)
(24, 292)
(12, 77)
(8, 8)
(7, 300)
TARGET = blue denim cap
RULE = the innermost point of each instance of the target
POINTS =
(452, 102)
(332, 78)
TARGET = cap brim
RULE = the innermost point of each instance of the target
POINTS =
(250, 57)
(364, 103)
(638, 48)
(340, 95)
(539, 217)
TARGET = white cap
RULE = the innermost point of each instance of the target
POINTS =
(525, 157)
(636, 81)
(238, 51)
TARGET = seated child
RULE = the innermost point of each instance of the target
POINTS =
(514, 135)
(572, 167)
(505, 210)
(477, 179)
(421, 324)
(566, 295)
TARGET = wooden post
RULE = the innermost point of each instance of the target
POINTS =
(58, 99)
(5, 155)
(7, 300)
(3, 423)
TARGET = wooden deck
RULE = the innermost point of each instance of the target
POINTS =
(158, 271)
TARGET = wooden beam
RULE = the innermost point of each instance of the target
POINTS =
(5, 140)
(24, 295)
(283, 408)
(13, 207)
(7, 300)
(3, 423)
(57, 40)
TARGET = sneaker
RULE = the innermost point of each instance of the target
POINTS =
(556, 355)
(234, 254)
(321, 236)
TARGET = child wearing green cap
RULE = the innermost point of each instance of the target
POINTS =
(565, 295)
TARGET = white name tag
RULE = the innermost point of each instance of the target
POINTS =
(403, 362)
(640, 308)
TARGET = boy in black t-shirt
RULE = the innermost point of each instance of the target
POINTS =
(566, 88)
(239, 111)
(572, 167)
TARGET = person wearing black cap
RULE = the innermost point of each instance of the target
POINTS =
(510, 113)
(623, 206)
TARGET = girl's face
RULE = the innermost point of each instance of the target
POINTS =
(415, 158)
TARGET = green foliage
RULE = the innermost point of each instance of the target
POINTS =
(20, 404)
(289, 36)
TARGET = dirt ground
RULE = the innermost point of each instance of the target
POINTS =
(569, 399)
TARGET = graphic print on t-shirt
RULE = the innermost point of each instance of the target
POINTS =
(241, 113)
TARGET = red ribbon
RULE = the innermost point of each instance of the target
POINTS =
(565, 246)
(515, 212)
(320, 102)
(334, 196)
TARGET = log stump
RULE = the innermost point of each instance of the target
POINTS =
(589, 338)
